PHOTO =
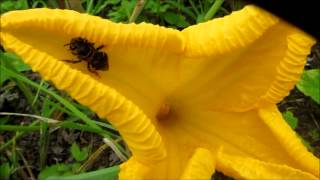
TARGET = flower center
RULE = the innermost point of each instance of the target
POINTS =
(164, 112)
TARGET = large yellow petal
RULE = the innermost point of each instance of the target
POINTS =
(259, 142)
(260, 134)
(244, 60)
(289, 140)
(206, 81)
(133, 170)
(136, 128)
(173, 64)
(141, 57)
(200, 166)
(249, 168)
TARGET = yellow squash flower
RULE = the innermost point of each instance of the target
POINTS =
(186, 102)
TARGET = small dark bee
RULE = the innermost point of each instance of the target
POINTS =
(85, 51)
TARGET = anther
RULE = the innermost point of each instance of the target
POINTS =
(164, 112)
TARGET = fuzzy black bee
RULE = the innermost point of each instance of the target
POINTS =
(85, 51)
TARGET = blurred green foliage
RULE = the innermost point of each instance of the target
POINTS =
(309, 84)
(290, 119)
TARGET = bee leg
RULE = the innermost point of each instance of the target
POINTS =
(100, 47)
(72, 61)
(92, 70)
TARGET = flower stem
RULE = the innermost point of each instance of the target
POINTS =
(213, 10)
(89, 6)
(137, 10)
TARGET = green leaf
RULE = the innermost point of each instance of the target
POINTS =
(78, 154)
(5, 171)
(7, 6)
(10, 5)
(200, 18)
(306, 144)
(164, 8)
(99, 6)
(55, 170)
(22, 4)
(315, 134)
(107, 173)
(309, 84)
(291, 119)
(175, 19)
(181, 8)
(4, 120)
(122, 12)
(14, 61)
(75, 167)
(113, 1)
(3, 76)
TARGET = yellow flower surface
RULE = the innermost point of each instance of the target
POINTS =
(186, 102)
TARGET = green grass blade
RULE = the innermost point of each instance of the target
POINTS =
(88, 121)
(194, 7)
(19, 128)
(89, 6)
(37, 94)
(213, 10)
(183, 9)
(57, 97)
(9, 61)
(35, 4)
(107, 173)
(44, 133)
(48, 120)
(72, 125)
(17, 136)
(99, 8)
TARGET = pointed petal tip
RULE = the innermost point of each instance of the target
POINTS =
(249, 168)
(291, 143)
(201, 165)
(221, 35)
(289, 69)
(132, 169)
